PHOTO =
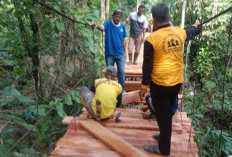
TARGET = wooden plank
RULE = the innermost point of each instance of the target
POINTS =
(136, 133)
(133, 75)
(132, 85)
(82, 143)
(133, 71)
(138, 142)
(133, 96)
(178, 144)
(130, 97)
(129, 123)
(110, 139)
(68, 152)
(138, 111)
(123, 114)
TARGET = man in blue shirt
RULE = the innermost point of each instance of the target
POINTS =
(115, 44)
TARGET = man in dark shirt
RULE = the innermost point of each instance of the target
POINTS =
(163, 71)
(138, 26)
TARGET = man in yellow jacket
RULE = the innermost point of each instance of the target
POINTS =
(163, 72)
(107, 91)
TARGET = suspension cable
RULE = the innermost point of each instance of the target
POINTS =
(223, 86)
(226, 67)
(62, 14)
(208, 20)
(219, 14)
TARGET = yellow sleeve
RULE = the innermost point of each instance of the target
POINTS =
(145, 86)
(96, 82)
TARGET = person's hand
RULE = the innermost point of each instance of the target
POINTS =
(95, 25)
(142, 41)
(196, 24)
(145, 108)
(142, 93)
(125, 55)
(199, 30)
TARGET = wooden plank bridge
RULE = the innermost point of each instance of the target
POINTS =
(127, 137)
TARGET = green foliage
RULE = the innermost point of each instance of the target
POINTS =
(204, 62)
(12, 96)
(18, 121)
(60, 110)
(210, 55)
(28, 152)
(47, 130)
(77, 55)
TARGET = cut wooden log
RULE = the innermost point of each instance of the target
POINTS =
(131, 97)
(110, 139)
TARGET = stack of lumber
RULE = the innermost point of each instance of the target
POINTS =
(86, 137)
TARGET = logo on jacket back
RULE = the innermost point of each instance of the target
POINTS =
(172, 43)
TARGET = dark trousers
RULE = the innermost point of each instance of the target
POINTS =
(163, 100)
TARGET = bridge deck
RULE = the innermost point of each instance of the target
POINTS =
(133, 128)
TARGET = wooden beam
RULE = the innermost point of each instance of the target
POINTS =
(133, 75)
(131, 97)
(110, 139)
(127, 123)
(65, 151)
(132, 85)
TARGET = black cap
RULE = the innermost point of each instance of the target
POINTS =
(111, 70)
(117, 11)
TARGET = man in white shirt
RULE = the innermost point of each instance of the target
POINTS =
(138, 26)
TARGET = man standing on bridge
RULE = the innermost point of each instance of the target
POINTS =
(163, 71)
(138, 26)
(115, 44)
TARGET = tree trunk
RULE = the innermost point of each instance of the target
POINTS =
(41, 42)
(107, 9)
(183, 14)
(188, 48)
(35, 56)
(138, 4)
(32, 48)
(103, 10)
(215, 6)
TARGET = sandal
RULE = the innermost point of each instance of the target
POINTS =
(155, 136)
(152, 148)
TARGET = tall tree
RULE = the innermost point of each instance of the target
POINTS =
(183, 14)
(103, 10)
(31, 47)
(107, 9)
(138, 4)
(215, 6)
